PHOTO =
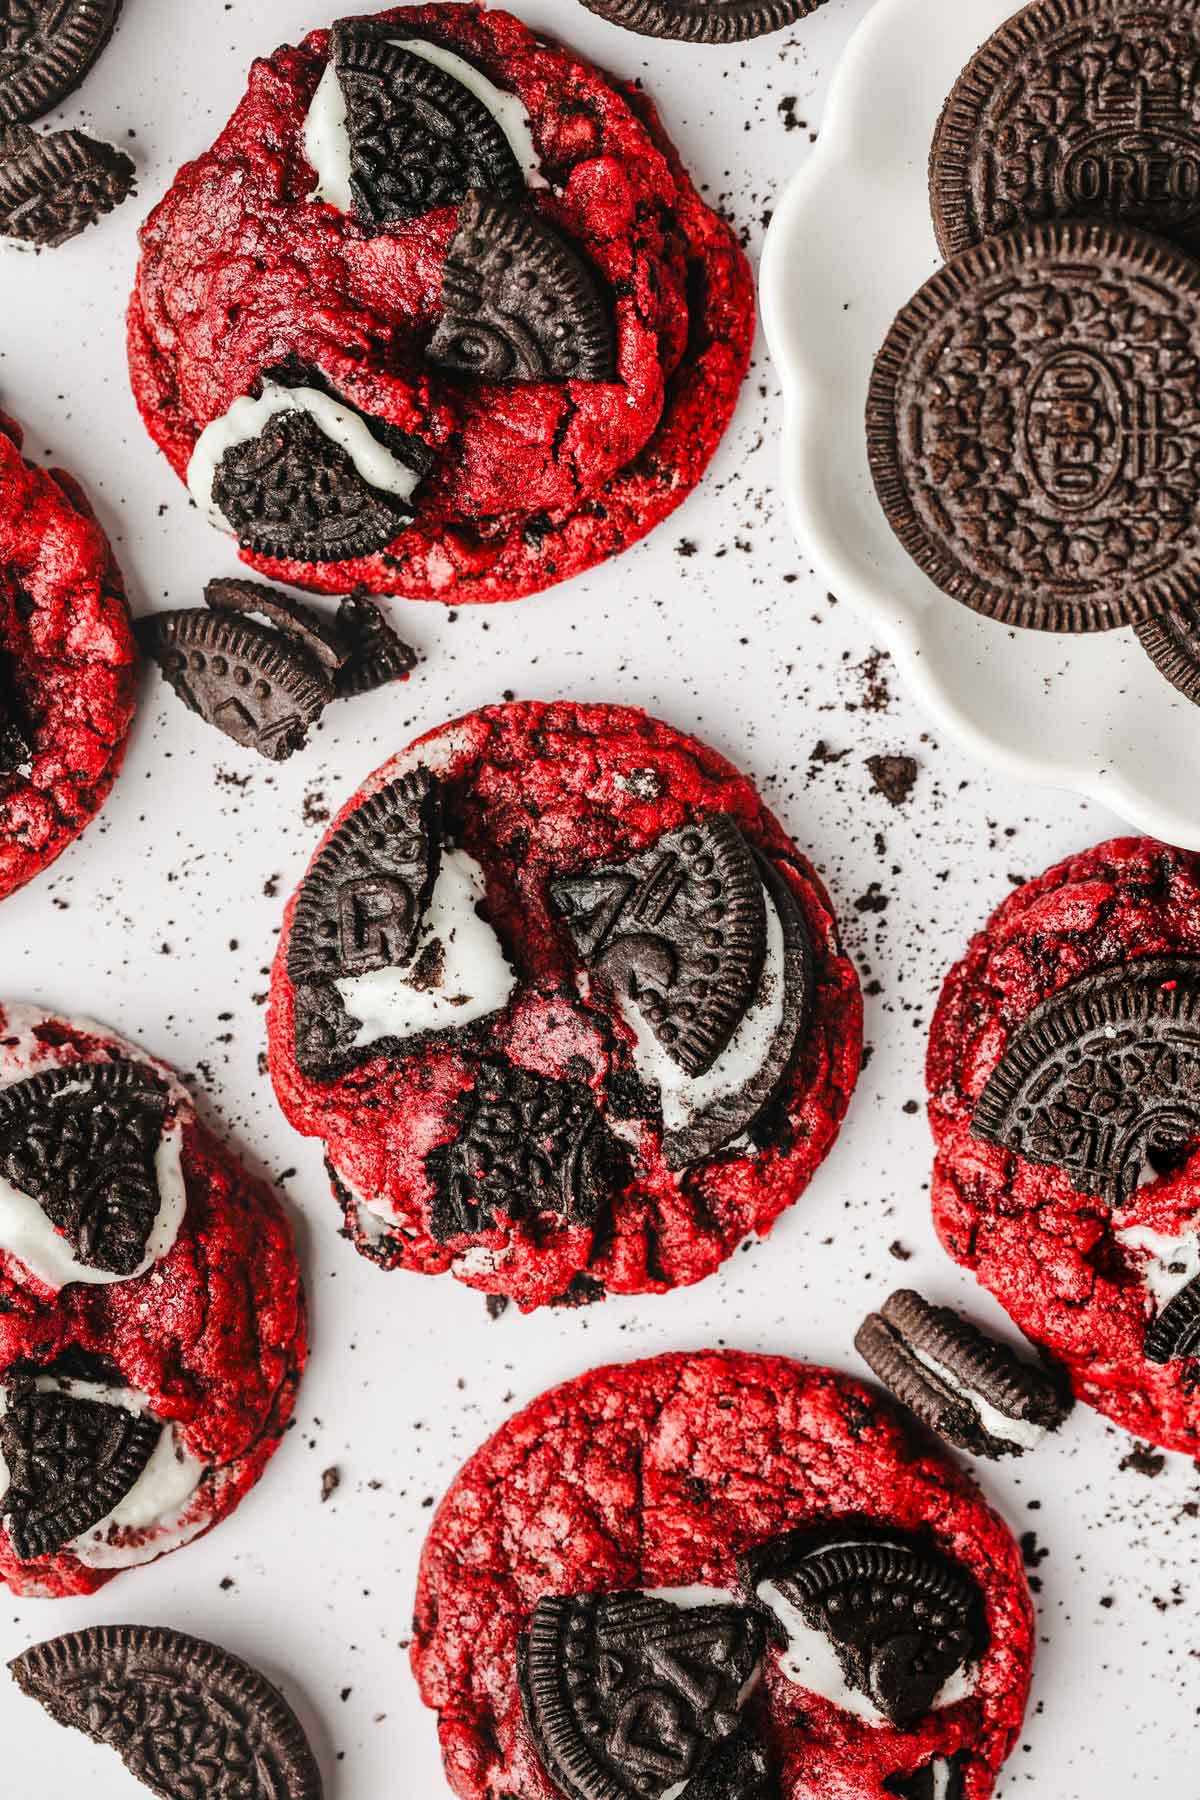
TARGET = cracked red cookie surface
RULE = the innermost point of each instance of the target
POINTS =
(152, 1319)
(520, 389)
(566, 1006)
(719, 1574)
(1064, 1084)
(67, 664)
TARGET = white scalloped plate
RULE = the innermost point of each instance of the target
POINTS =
(851, 241)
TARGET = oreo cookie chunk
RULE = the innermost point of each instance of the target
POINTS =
(1033, 454)
(46, 49)
(1172, 642)
(257, 686)
(16, 747)
(968, 1387)
(1074, 109)
(321, 641)
(375, 655)
(184, 1716)
(780, 1592)
(54, 186)
(703, 21)
(519, 303)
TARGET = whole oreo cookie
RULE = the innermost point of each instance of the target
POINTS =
(1031, 424)
(46, 49)
(703, 21)
(1074, 109)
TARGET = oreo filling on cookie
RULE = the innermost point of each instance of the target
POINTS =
(1175, 1332)
(967, 1387)
(703, 21)
(46, 49)
(53, 186)
(1103, 1078)
(184, 1716)
(258, 687)
(69, 1460)
(708, 957)
(519, 302)
(627, 1695)
(83, 1142)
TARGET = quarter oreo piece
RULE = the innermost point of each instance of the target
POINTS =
(185, 1717)
(519, 303)
(565, 1005)
(255, 685)
(1064, 1083)
(719, 1577)
(375, 656)
(54, 186)
(1030, 425)
(703, 21)
(1074, 109)
(968, 1387)
(46, 49)
(1172, 642)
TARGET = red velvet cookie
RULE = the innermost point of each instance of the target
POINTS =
(152, 1321)
(1064, 1083)
(719, 1577)
(67, 664)
(440, 313)
(566, 1006)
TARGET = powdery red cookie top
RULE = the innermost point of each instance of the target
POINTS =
(1088, 1245)
(152, 1320)
(245, 271)
(697, 1479)
(67, 664)
(492, 1089)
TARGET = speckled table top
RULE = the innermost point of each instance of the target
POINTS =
(162, 922)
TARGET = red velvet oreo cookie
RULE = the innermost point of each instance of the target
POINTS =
(736, 1577)
(565, 1005)
(1064, 1082)
(497, 334)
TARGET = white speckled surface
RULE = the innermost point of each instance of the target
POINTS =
(160, 923)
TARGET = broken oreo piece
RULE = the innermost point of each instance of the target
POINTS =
(16, 745)
(1172, 642)
(253, 684)
(184, 1716)
(303, 624)
(526, 1145)
(46, 49)
(53, 186)
(969, 1388)
(419, 139)
(627, 1696)
(703, 21)
(519, 302)
(70, 1461)
(375, 656)
(83, 1142)
(1103, 1078)
(1175, 1333)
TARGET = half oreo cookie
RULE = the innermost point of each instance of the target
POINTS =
(70, 1460)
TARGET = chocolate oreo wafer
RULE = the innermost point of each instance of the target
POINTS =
(1172, 642)
(1074, 109)
(257, 686)
(303, 624)
(54, 186)
(46, 49)
(375, 656)
(184, 1716)
(966, 1386)
(703, 21)
(1032, 427)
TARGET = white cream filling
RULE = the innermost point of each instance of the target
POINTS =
(327, 133)
(1170, 1262)
(1025, 1433)
(247, 418)
(474, 979)
(27, 1234)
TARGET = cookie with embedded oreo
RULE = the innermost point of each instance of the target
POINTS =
(1064, 1084)
(152, 1321)
(1074, 109)
(545, 373)
(1030, 449)
(67, 664)
(565, 1005)
(703, 21)
(47, 48)
(738, 1578)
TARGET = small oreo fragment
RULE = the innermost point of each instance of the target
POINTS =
(83, 1141)
(258, 687)
(1172, 642)
(185, 1717)
(1032, 451)
(305, 626)
(1175, 1333)
(1103, 1078)
(1074, 109)
(703, 21)
(70, 1461)
(967, 1387)
(419, 139)
(375, 655)
(46, 49)
(627, 1696)
(519, 302)
(53, 186)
